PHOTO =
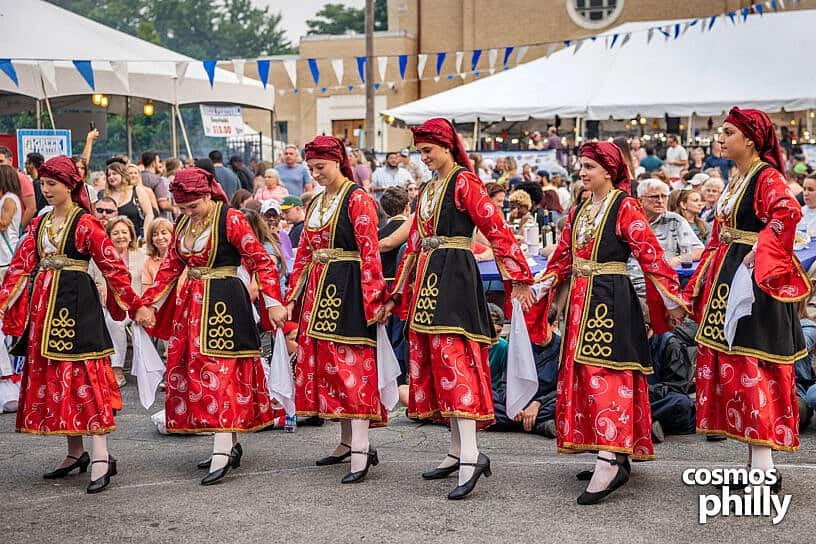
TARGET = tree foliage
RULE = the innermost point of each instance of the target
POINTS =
(202, 29)
(335, 19)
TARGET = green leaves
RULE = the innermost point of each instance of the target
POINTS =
(336, 19)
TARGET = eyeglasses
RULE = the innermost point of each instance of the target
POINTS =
(655, 198)
(106, 211)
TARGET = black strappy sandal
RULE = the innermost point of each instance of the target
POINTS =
(334, 459)
(442, 472)
(619, 480)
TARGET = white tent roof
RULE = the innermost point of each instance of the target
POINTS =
(32, 29)
(762, 63)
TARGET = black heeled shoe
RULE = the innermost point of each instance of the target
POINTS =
(98, 485)
(218, 474)
(481, 466)
(80, 462)
(442, 472)
(586, 475)
(237, 452)
(359, 476)
(619, 480)
(334, 459)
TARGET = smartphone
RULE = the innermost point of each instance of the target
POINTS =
(93, 125)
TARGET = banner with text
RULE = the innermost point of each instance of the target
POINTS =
(48, 143)
(222, 121)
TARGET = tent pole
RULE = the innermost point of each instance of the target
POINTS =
(173, 133)
(476, 135)
(128, 129)
(183, 132)
(579, 123)
(273, 133)
(809, 124)
(689, 128)
(38, 109)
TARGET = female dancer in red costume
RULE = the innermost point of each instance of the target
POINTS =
(439, 293)
(602, 395)
(746, 386)
(68, 386)
(336, 293)
(215, 380)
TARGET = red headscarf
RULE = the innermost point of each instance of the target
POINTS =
(329, 148)
(440, 132)
(610, 157)
(63, 170)
(194, 183)
(757, 127)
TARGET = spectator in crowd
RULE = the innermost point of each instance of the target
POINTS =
(294, 213)
(11, 212)
(413, 190)
(32, 168)
(271, 213)
(157, 242)
(676, 158)
(520, 215)
(711, 190)
(697, 161)
(226, 177)
(673, 411)
(122, 233)
(395, 204)
(579, 193)
(271, 243)
(636, 151)
(132, 202)
(480, 167)
(651, 162)
(716, 160)
(554, 142)
(306, 198)
(27, 200)
(693, 179)
(634, 167)
(389, 175)
(240, 198)
(105, 209)
(153, 181)
(539, 414)
(808, 221)
(564, 196)
(360, 169)
(536, 198)
(805, 376)
(295, 176)
(205, 164)
(512, 176)
(273, 188)
(500, 171)
(245, 177)
(419, 172)
(171, 166)
(96, 183)
(497, 194)
(671, 230)
(689, 203)
(550, 207)
(134, 178)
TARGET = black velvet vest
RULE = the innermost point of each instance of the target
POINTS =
(227, 327)
(612, 332)
(451, 296)
(338, 313)
(74, 328)
(772, 331)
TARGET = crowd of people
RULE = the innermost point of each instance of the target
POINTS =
(326, 245)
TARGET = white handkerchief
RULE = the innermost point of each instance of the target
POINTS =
(147, 366)
(388, 370)
(279, 376)
(522, 378)
(740, 301)
(6, 368)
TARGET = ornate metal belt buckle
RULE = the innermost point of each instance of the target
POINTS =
(195, 274)
(431, 243)
(323, 256)
(726, 237)
(585, 269)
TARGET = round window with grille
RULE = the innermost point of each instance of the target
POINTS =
(594, 14)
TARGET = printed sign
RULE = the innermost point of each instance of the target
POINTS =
(48, 143)
(222, 121)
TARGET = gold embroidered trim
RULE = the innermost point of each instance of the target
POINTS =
(569, 447)
(88, 432)
(769, 443)
(587, 268)
(730, 235)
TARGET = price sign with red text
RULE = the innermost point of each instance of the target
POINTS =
(222, 121)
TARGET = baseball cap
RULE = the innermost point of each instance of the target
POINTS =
(270, 204)
(496, 314)
(405, 152)
(290, 202)
(699, 179)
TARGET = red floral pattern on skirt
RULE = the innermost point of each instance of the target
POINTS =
(747, 399)
(63, 397)
(598, 408)
(449, 377)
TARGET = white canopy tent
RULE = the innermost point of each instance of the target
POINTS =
(761, 63)
(42, 40)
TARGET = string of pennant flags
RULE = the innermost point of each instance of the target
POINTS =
(263, 65)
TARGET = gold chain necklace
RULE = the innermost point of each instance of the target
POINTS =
(586, 221)
(197, 227)
(325, 205)
(55, 234)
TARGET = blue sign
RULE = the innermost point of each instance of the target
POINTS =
(48, 143)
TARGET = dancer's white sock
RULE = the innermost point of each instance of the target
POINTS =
(359, 442)
(345, 438)
(99, 452)
(454, 446)
(604, 472)
(222, 443)
(469, 451)
(762, 457)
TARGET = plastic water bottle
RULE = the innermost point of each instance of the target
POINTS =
(290, 424)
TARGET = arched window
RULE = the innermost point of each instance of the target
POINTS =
(594, 14)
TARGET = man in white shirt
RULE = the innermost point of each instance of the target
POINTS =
(676, 158)
(389, 175)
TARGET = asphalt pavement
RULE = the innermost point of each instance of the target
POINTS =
(279, 495)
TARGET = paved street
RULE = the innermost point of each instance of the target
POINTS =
(278, 495)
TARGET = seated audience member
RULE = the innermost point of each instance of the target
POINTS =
(688, 203)
(395, 204)
(805, 375)
(294, 213)
(536, 194)
(673, 411)
(712, 189)
(539, 414)
(808, 221)
(520, 206)
(672, 231)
